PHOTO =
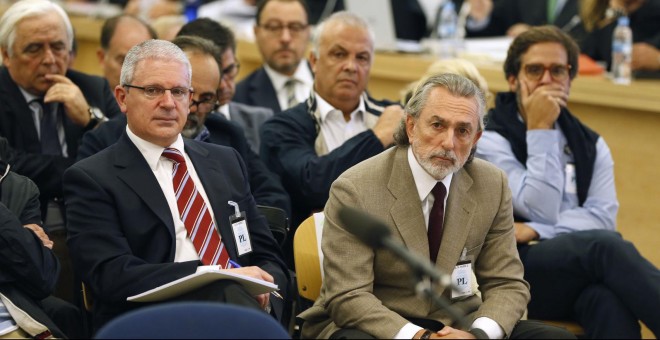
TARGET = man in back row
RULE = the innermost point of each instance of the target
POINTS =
(561, 175)
(153, 207)
(282, 35)
(338, 126)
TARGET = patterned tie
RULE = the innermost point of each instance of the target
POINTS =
(50, 141)
(436, 218)
(195, 215)
(290, 87)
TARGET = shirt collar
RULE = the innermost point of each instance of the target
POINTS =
(224, 110)
(28, 96)
(152, 152)
(324, 108)
(302, 74)
(423, 180)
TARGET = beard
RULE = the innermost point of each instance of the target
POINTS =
(193, 127)
(438, 170)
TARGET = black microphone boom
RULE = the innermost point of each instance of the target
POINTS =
(376, 234)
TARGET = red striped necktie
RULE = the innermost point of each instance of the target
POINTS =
(195, 214)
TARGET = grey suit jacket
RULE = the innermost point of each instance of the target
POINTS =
(250, 119)
(371, 290)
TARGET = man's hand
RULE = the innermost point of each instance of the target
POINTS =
(41, 234)
(542, 107)
(480, 9)
(260, 274)
(66, 92)
(525, 233)
(446, 333)
(645, 57)
(388, 123)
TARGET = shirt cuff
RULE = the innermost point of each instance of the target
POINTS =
(545, 231)
(476, 25)
(206, 268)
(488, 325)
(408, 331)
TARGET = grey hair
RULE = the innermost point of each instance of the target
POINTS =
(25, 9)
(457, 86)
(152, 49)
(343, 17)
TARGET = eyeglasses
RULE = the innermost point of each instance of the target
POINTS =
(536, 71)
(205, 104)
(294, 28)
(154, 91)
(231, 71)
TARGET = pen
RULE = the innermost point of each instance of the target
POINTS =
(236, 265)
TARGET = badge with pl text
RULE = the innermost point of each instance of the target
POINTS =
(462, 277)
(240, 230)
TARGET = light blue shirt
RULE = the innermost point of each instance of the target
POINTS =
(542, 191)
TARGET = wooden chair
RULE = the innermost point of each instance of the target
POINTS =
(306, 245)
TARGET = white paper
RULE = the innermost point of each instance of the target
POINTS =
(199, 279)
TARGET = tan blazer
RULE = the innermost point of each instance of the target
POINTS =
(371, 290)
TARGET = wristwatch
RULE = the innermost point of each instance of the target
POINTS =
(96, 116)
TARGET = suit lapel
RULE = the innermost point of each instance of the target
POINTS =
(20, 110)
(263, 91)
(133, 170)
(460, 207)
(215, 185)
(406, 210)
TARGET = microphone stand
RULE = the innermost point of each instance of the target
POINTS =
(424, 277)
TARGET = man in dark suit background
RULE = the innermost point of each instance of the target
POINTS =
(248, 117)
(36, 38)
(126, 233)
(282, 35)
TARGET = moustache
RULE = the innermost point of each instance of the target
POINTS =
(450, 155)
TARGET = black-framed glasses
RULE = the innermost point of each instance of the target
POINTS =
(205, 104)
(155, 91)
(231, 71)
(276, 28)
(557, 71)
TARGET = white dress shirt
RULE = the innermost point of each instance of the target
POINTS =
(336, 130)
(303, 85)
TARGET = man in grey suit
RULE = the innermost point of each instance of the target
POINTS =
(366, 292)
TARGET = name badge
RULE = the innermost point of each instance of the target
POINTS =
(461, 277)
(571, 180)
(240, 230)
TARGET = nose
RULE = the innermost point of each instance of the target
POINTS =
(448, 140)
(286, 34)
(49, 56)
(167, 100)
(546, 77)
(350, 65)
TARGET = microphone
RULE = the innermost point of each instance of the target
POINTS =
(376, 234)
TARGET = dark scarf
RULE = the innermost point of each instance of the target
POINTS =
(504, 120)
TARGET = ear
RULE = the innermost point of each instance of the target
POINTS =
(100, 54)
(312, 61)
(513, 83)
(120, 95)
(410, 127)
(477, 137)
(5, 58)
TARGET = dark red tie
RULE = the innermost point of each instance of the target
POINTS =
(195, 215)
(436, 219)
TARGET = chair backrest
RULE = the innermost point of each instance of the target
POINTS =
(193, 320)
(277, 221)
(308, 258)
